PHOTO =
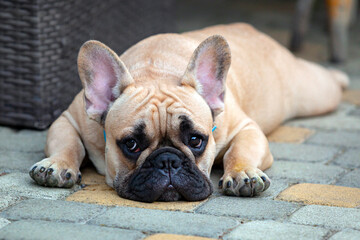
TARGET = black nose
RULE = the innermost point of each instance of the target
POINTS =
(167, 161)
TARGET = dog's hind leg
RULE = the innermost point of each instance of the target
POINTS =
(65, 153)
(316, 90)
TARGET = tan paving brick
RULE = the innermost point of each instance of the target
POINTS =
(320, 194)
(352, 96)
(287, 134)
(90, 176)
(97, 192)
(164, 236)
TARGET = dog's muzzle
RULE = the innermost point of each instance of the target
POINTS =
(167, 175)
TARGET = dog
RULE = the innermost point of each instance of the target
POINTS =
(157, 118)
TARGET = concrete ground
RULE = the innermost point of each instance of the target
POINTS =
(315, 191)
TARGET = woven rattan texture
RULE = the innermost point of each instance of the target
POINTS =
(39, 42)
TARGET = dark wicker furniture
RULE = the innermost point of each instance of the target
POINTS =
(39, 42)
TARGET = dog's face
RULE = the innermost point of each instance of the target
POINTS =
(159, 142)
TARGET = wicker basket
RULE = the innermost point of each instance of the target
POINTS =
(39, 43)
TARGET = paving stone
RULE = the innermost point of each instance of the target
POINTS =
(351, 179)
(336, 138)
(347, 234)
(20, 161)
(21, 184)
(91, 177)
(104, 195)
(165, 221)
(328, 122)
(305, 172)
(97, 192)
(164, 236)
(331, 217)
(320, 194)
(3, 222)
(303, 152)
(275, 230)
(8, 200)
(355, 112)
(352, 96)
(354, 83)
(350, 158)
(22, 140)
(247, 208)
(52, 210)
(43, 230)
(286, 134)
(276, 187)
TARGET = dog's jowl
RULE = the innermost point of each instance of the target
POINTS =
(173, 104)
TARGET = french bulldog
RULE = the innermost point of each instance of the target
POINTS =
(155, 119)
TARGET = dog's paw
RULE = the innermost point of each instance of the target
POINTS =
(52, 173)
(244, 183)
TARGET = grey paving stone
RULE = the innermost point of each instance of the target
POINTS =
(304, 172)
(347, 234)
(22, 185)
(350, 158)
(331, 217)
(165, 221)
(247, 208)
(22, 140)
(303, 152)
(336, 138)
(19, 161)
(328, 122)
(52, 210)
(3, 222)
(275, 230)
(8, 200)
(42, 230)
(351, 179)
(355, 112)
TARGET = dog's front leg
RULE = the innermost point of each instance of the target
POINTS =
(244, 162)
(65, 153)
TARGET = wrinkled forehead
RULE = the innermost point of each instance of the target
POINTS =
(162, 108)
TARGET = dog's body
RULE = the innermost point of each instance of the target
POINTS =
(154, 99)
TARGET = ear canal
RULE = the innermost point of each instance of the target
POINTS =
(103, 75)
(207, 70)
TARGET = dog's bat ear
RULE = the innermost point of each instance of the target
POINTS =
(103, 75)
(207, 71)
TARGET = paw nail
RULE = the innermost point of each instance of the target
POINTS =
(228, 184)
(68, 175)
(220, 183)
(42, 169)
(50, 170)
(247, 181)
(263, 178)
(253, 180)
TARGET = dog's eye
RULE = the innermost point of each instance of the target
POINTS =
(195, 141)
(132, 146)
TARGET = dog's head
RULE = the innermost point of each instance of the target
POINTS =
(159, 142)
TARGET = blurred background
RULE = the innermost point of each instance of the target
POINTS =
(280, 18)
(39, 40)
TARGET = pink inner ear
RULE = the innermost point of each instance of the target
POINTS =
(103, 79)
(212, 88)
